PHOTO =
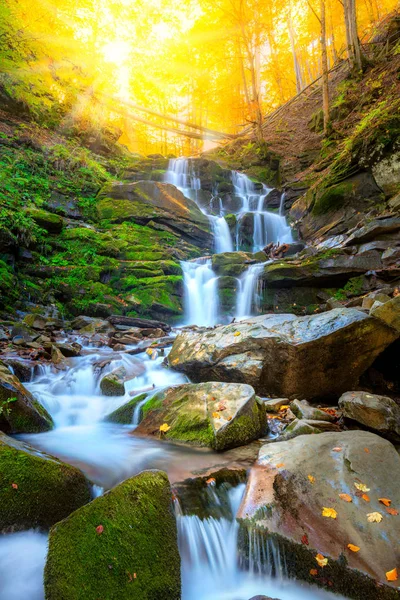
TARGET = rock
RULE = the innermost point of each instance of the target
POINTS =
(139, 323)
(369, 300)
(69, 350)
(124, 414)
(122, 545)
(376, 229)
(274, 353)
(303, 410)
(49, 221)
(21, 368)
(159, 203)
(306, 427)
(215, 415)
(273, 405)
(389, 313)
(81, 322)
(3, 335)
(24, 332)
(35, 321)
(90, 325)
(20, 411)
(379, 413)
(112, 384)
(37, 490)
(283, 505)
(57, 356)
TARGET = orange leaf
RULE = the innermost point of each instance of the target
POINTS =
(14, 486)
(392, 511)
(280, 465)
(366, 450)
(210, 481)
(311, 478)
(304, 539)
(353, 548)
(365, 497)
(337, 449)
(391, 575)
(216, 415)
(99, 529)
(385, 501)
(346, 497)
(329, 512)
(313, 572)
(321, 560)
(284, 407)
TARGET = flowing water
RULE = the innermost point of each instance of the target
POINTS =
(249, 292)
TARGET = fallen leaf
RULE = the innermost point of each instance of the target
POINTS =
(14, 486)
(313, 572)
(311, 478)
(236, 333)
(321, 560)
(391, 575)
(366, 450)
(392, 511)
(280, 465)
(353, 548)
(164, 428)
(99, 529)
(221, 406)
(229, 419)
(346, 497)
(216, 415)
(362, 487)
(374, 517)
(284, 407)
(337, 449)
(210, 481)
(385, 501)
(329, 512)
(304, 539)
(365, 497)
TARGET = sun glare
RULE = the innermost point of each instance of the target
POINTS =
(117, 51)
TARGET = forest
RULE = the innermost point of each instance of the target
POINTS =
(199, 300)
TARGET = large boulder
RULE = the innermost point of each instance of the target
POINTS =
(389, 313)
(113, 383)
(379, 413)
(215, 415)
(37, 490)
(160, 203)
(20, 412)
(286, 356)
(124, 414)
(121, 545)
(317, 494)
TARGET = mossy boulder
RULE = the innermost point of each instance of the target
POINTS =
(20, 412)
(37, 490)
(122, 545)
(379, 413)
(231, 264)
(215, 415)
(49, 221)
(124, 414)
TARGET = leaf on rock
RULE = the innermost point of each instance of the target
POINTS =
(236, 333)
(313, 572)
(385, 501)
(374, 517)
(365, 497)
(392, 511)
(321, 560)
(311, 478)
(164, 428)
(210, 481)
(329, 512)
(284, 407)
(14, 486)
(337, 449)
(366, 450)
(216, 415)
(353, 548)
(280, 465)
(362, 487)
(99, 529)
(304, 539)
(346, 497)
(392, 575)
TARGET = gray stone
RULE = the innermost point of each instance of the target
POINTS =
(375, 412)
(389, 313)
(274, 404)
(303, 410)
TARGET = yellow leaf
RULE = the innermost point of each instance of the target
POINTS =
(236, 333)
(280, 465)
(329, 512)
(374, 517)
(284, 407)
(353, 548)
(216, 415)
(164, 428)
(321, 560)
(362, 487)
(391, 575)
(385, 501)
(311, 478)
(365, 497)
(346, 497)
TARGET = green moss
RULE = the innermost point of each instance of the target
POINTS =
(332, 199)
(124, 414)
(48, 490)
(135, 556)
(354, 287)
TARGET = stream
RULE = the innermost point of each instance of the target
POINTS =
(107, 453)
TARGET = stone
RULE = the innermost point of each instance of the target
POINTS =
(37, 490)
(274, 353)
(123, 545)
(303, 410)
(124, 414)
(20, 411)
(49, 221)
(90, 324)
(112, 384)
(282, 504)
(69, 350)
(376, 229)
(369, 300)
(3, 335)
(273, 405)
(24, 332)
(57, 356)
(135, 322)
(35, 321)
(380, 413)
(389, 313)
(214, 415)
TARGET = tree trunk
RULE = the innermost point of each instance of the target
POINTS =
(324, 60)
(353, 43)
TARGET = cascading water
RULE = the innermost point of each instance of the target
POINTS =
(248, 297)
(200, 292)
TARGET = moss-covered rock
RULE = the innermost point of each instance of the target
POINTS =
(20, 412)
(122, 545)
(37, 490)
(124, 414)
(215, 415)
(50, 222)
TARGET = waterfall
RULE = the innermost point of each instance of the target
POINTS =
(282, 204)
(200, 293)
(181, 173)
(247, 297)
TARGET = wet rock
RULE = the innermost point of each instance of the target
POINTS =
(376, 229)
(69, 350)
(112, 384)
(121, 545)
(139, 323)
(21, 412)
(369, 300)
(124, 414)
(282, 503)
(379, 413)
(49, 221)
(21, 331)
(274, 353)
(37, 490)
(389, 313)
(3, 335)
(274, 404)
(35, 321)
(215, 415)
(21, 368)
(57, 356)
(303, 410)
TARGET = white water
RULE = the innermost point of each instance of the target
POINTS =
(22, 558)
(249, 297)
(200, 293)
